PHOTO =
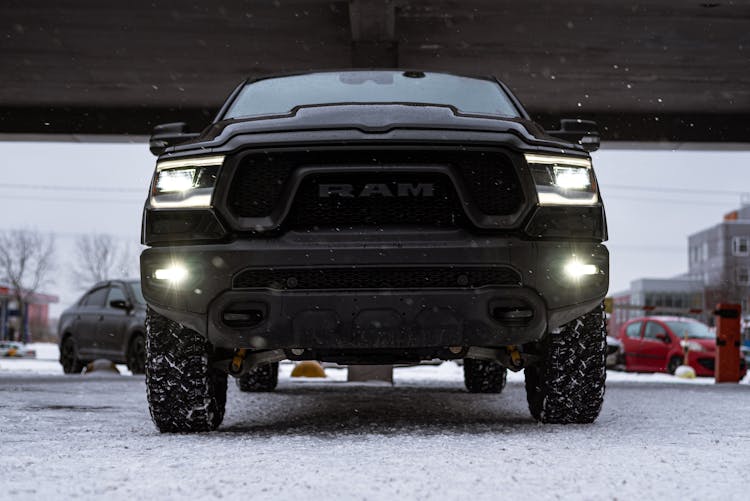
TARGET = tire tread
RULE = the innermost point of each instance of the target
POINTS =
(484, 376)
(568, 384)
(260, 379)
(185, 394)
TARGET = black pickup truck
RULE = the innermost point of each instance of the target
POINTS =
(374, 217)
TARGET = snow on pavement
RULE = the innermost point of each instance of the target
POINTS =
(46, 362)
(424, 438)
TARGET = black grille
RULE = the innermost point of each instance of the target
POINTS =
(492, 181)
(375, 278)
(258, 185)
(426, 199)
(256, 190)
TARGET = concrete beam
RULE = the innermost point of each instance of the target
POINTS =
(373, 27)
(647, 71)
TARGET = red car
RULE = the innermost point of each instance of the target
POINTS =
(656, 344)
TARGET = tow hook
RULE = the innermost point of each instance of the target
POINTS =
(516, 359)
(235, 367)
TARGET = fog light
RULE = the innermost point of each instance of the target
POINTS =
(174, 274)
(577, 269)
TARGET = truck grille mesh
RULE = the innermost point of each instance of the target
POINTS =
(375, 278)
(258, 185)
(489, 176)
(493, 183)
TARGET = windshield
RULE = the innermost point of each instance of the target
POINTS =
(276, 96)
(693, 330)
(135, 289)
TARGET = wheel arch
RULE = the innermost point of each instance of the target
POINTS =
(67, 333)
(134, 331)
(64, 327)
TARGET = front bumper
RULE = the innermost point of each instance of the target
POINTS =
(357, 316)
(704, 364)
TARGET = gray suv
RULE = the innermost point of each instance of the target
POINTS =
(108, 321)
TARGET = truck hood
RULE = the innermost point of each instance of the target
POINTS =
(371, 119)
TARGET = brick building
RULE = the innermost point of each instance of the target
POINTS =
(37, 317)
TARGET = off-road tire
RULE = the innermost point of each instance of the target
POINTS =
(185, 394)
(262, 378)
(136, 356)
(567, 384)
(69, 360)
(484, 376)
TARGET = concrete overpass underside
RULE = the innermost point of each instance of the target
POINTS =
(655, 70)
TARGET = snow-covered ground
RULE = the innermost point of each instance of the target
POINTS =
(423, 438)
(46, 362)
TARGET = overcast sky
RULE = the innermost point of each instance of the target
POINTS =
(654, 200)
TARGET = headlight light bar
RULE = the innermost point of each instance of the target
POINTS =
(562, 180)
(186, 182)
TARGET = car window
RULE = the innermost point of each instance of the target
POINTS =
(280, 95)
(692, 329)
(633, 330)
(116, 294)
(652, 330)
(96, 297)
(135, 289)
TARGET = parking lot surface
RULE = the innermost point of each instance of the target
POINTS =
(423, 438)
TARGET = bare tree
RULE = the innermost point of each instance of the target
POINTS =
(26, 260)
(101, 257)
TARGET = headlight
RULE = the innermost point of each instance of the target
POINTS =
(563, 180)
(185, 183)
(691, 346)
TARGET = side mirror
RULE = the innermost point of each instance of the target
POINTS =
(663, 338)
(166, 135)
(583, 132)
(120, 304)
